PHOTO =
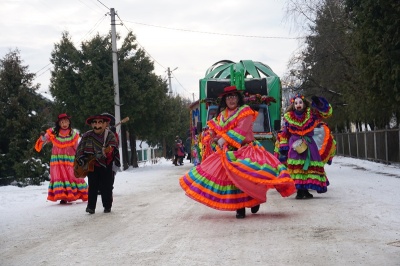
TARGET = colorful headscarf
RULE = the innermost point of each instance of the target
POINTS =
(298, 95)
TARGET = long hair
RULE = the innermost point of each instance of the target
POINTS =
(58, 127)
(306, 103)
(222, 104)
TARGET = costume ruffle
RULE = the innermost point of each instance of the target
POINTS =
(230, 180)
(63, 183)
(307, 168)
(227, 127)
(328, 147)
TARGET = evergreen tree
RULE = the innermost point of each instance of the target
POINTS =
(375, 35)
(21, 114)
(82, 85)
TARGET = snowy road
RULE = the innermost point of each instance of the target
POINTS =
(357, 222)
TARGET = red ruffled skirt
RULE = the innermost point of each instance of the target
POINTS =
(236, 179)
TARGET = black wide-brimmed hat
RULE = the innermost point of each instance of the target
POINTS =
(112, 118)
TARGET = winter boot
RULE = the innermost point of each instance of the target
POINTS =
(307, 195)
(255, 208)
(90, 211)
(241, 213)
(300, 194)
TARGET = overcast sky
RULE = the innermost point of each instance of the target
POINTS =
(186, 36)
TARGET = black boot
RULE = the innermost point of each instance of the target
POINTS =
(241, 213)
(255, 208)
(307, 195)
(300, 194)
(90, 211)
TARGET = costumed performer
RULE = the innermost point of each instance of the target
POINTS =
(63, 186)
(299, 148)
(239, 171)
(99, 146)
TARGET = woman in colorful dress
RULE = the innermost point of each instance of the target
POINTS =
(298, 146)
(63, 186)
(238, 172)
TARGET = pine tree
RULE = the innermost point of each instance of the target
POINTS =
(21, 110)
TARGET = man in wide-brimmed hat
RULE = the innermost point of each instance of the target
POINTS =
(111, 125)
(99, 146)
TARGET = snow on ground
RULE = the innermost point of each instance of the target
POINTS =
(153, 223)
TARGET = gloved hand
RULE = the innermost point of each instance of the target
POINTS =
(42, 133)
(282, 158)
(221, 142)
(315, 100)
(283, 152)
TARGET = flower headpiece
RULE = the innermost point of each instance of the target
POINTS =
(298, 95)
(258, 99)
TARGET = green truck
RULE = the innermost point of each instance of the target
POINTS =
(257, 80)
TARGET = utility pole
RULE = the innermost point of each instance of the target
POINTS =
(169, 78)
(116, 80)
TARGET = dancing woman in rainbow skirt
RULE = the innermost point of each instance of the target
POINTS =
(306, 166)
(63, 186)
(237, 172)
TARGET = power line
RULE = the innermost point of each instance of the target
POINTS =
(216, 33)
(103, 5)
(179, 83)
(84, 3)
(95, 26)
(123, 24)
(88, 33)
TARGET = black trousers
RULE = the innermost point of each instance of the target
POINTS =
(101, 179)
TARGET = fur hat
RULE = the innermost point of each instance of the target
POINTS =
(228, 90)
(91, 118)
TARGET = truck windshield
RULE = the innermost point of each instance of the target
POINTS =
(261, 124)
(212, 112)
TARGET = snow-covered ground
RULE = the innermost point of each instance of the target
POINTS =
(357, 222)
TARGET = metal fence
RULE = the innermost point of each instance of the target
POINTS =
(380, 145)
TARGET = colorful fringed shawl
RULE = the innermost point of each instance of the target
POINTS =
(92, 143)
(63, 184)
(232, 179)
(307, 168)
